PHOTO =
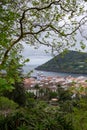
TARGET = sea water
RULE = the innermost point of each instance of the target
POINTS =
(29, 68)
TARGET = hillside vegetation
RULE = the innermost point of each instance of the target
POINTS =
(69, 62)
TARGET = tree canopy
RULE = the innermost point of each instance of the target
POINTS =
(53, 23)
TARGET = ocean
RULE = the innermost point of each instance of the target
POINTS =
(28, 68)
(38, 57)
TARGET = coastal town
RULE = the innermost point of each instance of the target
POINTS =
(51, 83)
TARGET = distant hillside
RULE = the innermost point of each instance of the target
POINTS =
(70, 62)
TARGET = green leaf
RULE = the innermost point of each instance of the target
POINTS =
(83, 46)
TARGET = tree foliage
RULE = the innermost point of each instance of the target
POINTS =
(9, 70)
(47, 22)
(52, 23)
(37, 22)
(17, 95)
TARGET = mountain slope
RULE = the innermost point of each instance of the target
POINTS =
(71, 62)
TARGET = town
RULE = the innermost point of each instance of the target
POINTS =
(51, 83)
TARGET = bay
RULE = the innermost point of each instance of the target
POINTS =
(38, 57)
(28, 68)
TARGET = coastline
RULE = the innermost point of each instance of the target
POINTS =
(60, 71)
(29, 68)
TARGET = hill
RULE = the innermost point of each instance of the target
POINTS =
(70, 62)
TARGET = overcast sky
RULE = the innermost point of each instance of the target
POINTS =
(39, 56)
(36, 56)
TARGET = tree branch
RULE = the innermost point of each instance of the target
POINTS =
(22, 33)
(8, 50)
(67, 34)
(37, 32)
(42, 42)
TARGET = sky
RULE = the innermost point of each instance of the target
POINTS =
(39, 56)
(36, 56)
